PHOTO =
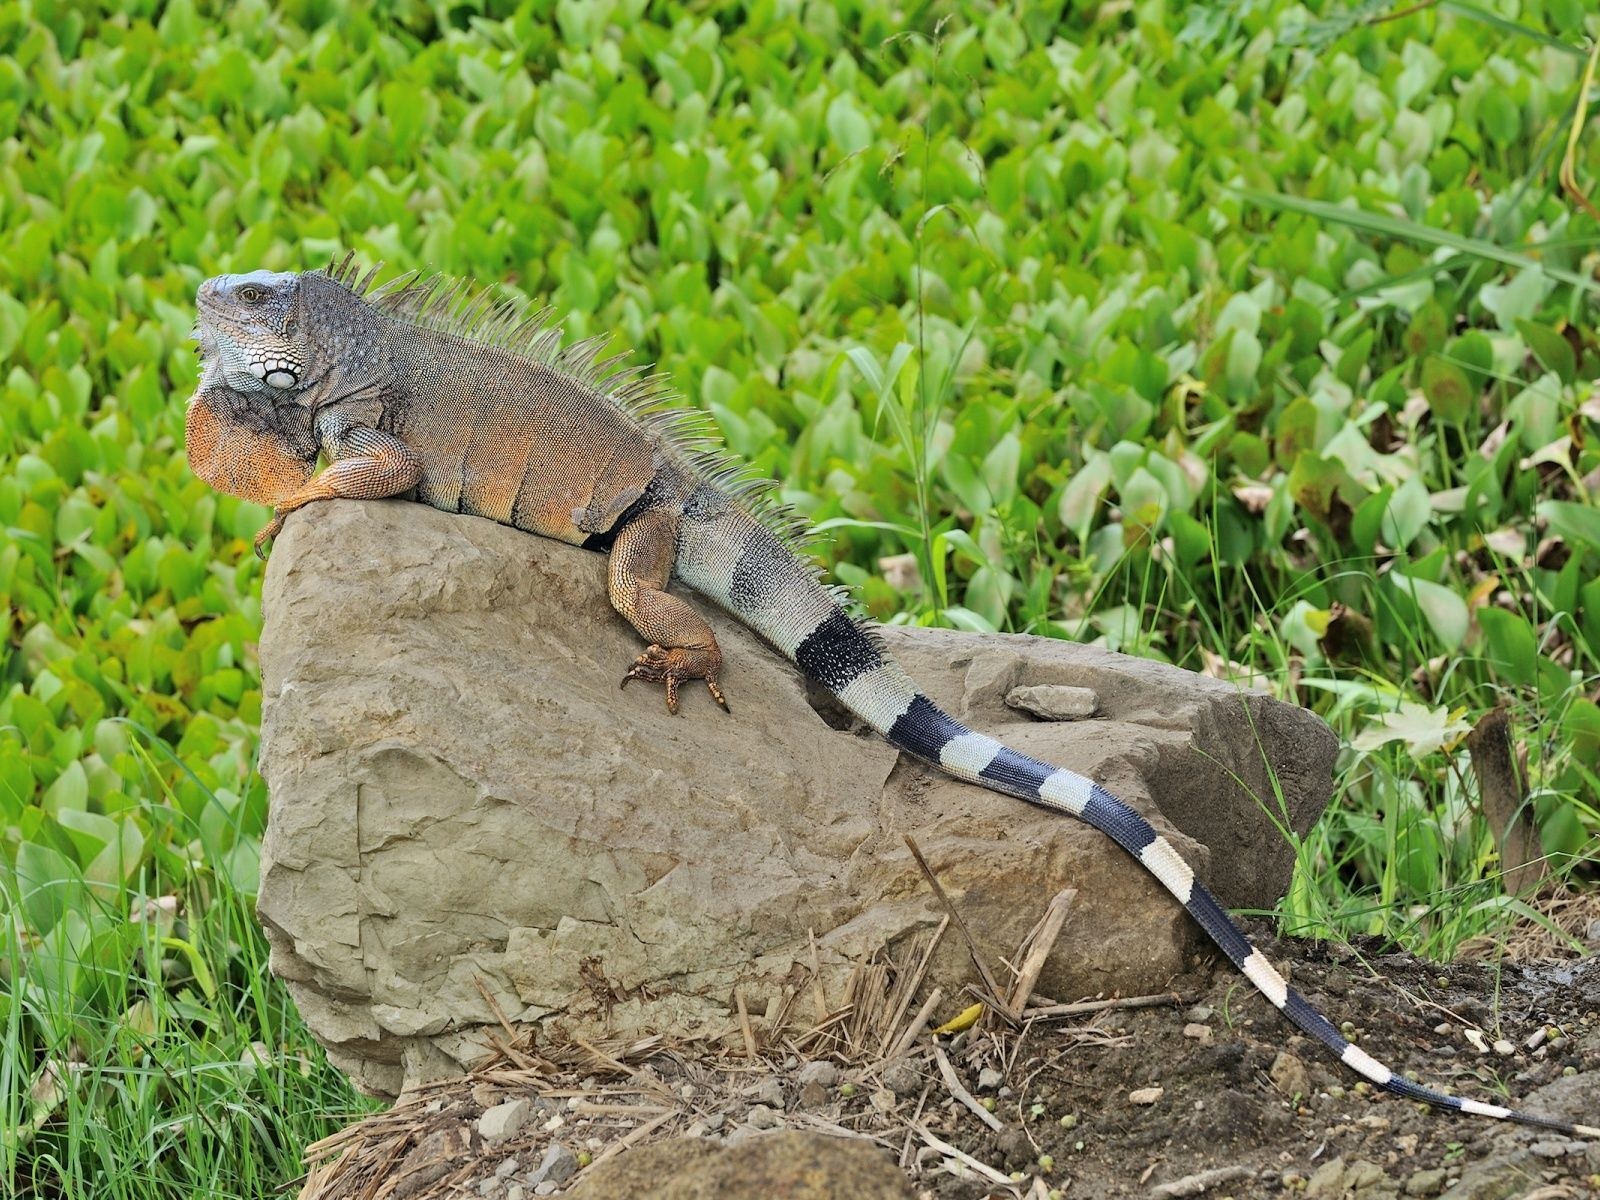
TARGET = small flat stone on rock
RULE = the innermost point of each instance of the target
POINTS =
(989, 1079)
(1199, 1014)
(813, 1095)
(1055, 701)
(1145, 1095)
(1197, 1031)
(503, 1120)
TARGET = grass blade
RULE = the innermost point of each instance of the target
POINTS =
(1409, 231)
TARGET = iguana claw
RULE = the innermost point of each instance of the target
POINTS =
(267, 534)
(672, 667)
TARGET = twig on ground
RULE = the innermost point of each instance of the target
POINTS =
(1202, 1181)
(953, 1085)
(744, 1025)
(1089, 1006)
(817, 993)
(996, 997)
(908, 1037)
(633, 1137)
(1039, 942)
(909, 989)
(961, 1156)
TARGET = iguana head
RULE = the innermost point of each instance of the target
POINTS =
(303, 337)
(251, 330)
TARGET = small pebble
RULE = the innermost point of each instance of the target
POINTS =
(813, 1095)
(1199, 1014)
(503, 1120)
(824, 1074)
(769, 1092)
(508, 1166)
(1197, 1031)
(1425, 1183)
(989, 1079)
(902, 1077)
(714, 1122)
(558, 1165)
(1503, 1047)
(762, 1117)
(1146, 1096)
(1288, 1075)
(1556, 1147)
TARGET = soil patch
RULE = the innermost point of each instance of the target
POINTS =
(1202, 1092)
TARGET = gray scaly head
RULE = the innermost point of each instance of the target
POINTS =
(285, 335)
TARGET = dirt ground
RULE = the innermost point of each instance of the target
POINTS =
(1211, 1094)
(1269, 1113)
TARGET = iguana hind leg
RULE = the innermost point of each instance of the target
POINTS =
(682, 645)
(366, 464)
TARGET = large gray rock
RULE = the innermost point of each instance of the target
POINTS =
(463, 803)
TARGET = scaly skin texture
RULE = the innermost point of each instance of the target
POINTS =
(479, 411)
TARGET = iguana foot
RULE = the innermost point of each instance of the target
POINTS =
(267, 534)
(672, 667)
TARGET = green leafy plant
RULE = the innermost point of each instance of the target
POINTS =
(1258, 338)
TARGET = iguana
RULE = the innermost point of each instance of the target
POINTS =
(426, 387)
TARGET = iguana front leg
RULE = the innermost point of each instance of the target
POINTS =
(364, 464)
(682, 645)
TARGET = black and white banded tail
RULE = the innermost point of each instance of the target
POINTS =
(733, 558)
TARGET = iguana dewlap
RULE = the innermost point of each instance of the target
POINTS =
(478, 408)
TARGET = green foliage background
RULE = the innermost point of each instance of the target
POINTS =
(1254, 337)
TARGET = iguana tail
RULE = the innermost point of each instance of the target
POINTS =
(734, 559)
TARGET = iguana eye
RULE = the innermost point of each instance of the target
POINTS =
(250, 293)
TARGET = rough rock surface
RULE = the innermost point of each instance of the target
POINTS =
(464, 804)
(796, 1166)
